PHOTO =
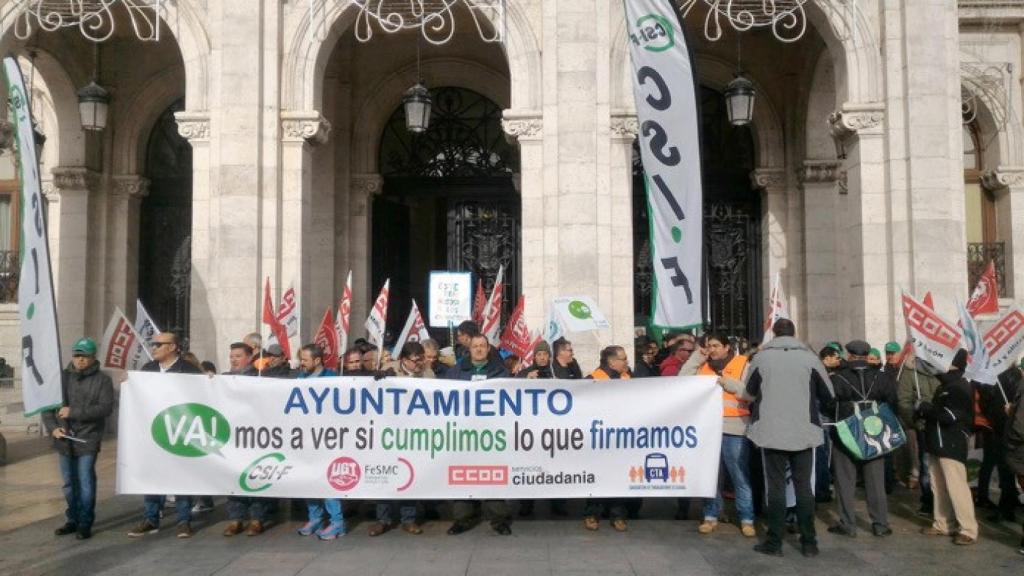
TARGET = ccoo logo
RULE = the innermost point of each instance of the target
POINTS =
(191, 430)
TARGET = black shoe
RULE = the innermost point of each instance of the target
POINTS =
(985, 503)
(457, 528)
(66, 529)
(809, 550)
(768, 550)
(924, 512)
(842, 530)
(503, 529)
(823, 498)
(881, 530)
(84, 534)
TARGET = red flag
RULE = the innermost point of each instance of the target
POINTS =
(479, 301)
(492, 311)
(528, 358)
(270, 319)
(935, 340)
(517, 338)
(985, 298)
(909, 345)
(928, 300)
(341, 321)
(327, 339)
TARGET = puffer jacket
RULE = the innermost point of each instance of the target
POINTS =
(90, 396)
(1015, 434)
(949, 418)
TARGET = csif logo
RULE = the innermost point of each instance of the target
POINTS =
(654, 33)
(191, 430)
(263, 472)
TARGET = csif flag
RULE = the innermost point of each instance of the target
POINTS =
(144, 324)
(37, 309)
(341, 321)
(122, 347)
(977, 355)
(278, 333)
(665, 91)
(492, 311)
(985, 297)
(376, 323)
(516, 338)
(415, 330)
(935, 340)
(777, 308)
(327, 339)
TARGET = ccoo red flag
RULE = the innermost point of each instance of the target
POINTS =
(479, 301)
(492, 311)
(516, 337)
(985, 298)
(327, 339)
(270, 319)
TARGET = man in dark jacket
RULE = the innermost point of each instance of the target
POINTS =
(541, 367)
(994, 402)
(77, 430)
(277, 365)
(479, 364)
(564, 365)
(859, 383)
(1015, 437)
(166, 359)
(645, 350)
(240, 360)
(948, 420)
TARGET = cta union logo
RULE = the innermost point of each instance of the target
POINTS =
(343, 474)
(654, 33)
(656, 469)
(191, 430)
(263, 472)
(478, 475)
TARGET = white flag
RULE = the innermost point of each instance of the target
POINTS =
(579, 314)
(287, 316)
(553, 327)
(122, 348)
(341, 318)
(935, 340)
(978, 360)
(415, 330)
(492, 310)
(665, 92)
(144, 324)
(777, 308)
(376, 323)
(1004, 341)
(37, 311)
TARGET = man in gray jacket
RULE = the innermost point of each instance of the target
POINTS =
(790, 389)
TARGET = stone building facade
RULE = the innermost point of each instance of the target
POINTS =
(262, 126)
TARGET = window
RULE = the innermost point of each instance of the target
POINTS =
(8, 202)
(983, 243)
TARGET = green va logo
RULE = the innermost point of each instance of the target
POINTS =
(655, 33)
(579, 309)
(263, 472)
(191, 430)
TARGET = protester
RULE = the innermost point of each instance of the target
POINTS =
(370, 361)
(646, 350)
(255, 341)
(718, 358)
(789, 389)
(859, 383)
(541, 367)
(917, 383)
(512, 363)
(193, 360)
(209, 368)
(167, 358)
(431, 355)
(240, 360)
(565, 366)
(994, 404)
(614, 366)
(479, 364)
(1015, 438)
(892, 357)
(352, 363)
(87, 399)
(275, 364)
(240, 508)
(948, 418)
(463, 334)
(874, 358)
(823, 454)
(681, 352)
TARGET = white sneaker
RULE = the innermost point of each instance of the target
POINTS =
(200, 508)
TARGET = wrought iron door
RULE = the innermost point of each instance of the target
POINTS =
(733, 245)
(483, 236)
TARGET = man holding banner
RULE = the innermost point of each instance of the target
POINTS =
(77, 430)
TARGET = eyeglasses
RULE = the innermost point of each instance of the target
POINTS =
(159, 344)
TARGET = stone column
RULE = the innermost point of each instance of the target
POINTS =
(864, 232)
(774, 233)
(527, 128)
(1007, 184)
(619, 281)
(69, 225)
(300, 131)
(818, 184)
(362, 189)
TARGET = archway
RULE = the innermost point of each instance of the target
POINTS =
(448, 202)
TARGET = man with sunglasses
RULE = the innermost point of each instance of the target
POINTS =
(166, 352)
(77, 430)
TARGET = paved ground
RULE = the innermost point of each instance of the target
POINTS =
(31, 505)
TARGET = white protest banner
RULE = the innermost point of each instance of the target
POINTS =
(341, 320)
(450, 298)
(1005, 340)
(579, 314)
(377, 322)
(778, 308)
(122, 348)
(977, 355)
(935, 340)
(403, 438)
(553, 326)
(665, 92)
(144, 324)
(37, 309)
(414, 331)
(491, 326)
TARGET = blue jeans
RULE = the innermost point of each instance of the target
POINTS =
(406, 510)
(333, 507)
(79, 475)
(241, 506)
(822, 471)
(153, 505)
(735, 457)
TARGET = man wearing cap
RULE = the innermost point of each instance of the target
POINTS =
(166, 359)
(276, 365)
(875, 358)
(859, 383)
(77, 429)
(892, 357)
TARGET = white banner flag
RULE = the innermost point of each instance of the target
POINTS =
(935, 340)
(122, 347)
(1005, 340)
(404, 438)
(377, 322)
(287, 316)
(341, 319)
(777, 308)
(978, 361)
(666, 106)
(491, 326)
(579, 314)
(144, 325)
(37, 310)
(415, 330)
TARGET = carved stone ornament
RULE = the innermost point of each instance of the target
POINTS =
(77, 178)
(522, 125)
(762, 178)
(625, 126)
(131, 185)
(193, 126)
(818, 172)
(308, 126)
(854, 119)
(50, 192)
(1002, 177)
(364, 185)
(844, 184)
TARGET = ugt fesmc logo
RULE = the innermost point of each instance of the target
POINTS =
(264, 472)
(478, 475)
(191, 430)
(343, 474)
(653, 33)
